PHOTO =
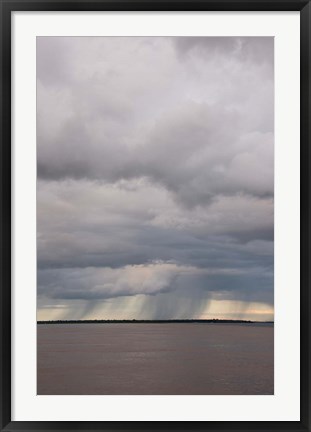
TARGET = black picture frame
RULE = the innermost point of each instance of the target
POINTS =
(9, 6)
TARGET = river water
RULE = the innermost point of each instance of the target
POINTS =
(155, 359)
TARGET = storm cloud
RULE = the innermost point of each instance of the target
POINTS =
(155, 186)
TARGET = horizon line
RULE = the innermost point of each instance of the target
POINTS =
(138, 321)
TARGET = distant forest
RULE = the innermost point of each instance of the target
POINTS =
(185, 321)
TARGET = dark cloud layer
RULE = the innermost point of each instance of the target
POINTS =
(155, 172)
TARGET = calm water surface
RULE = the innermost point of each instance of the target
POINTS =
(155, 359)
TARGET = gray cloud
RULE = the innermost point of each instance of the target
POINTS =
(107, 225)
(152, 279)
(156, 157)
(196, 148)
(253, 49)
(186, 153)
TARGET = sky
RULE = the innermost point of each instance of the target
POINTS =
(155, 177)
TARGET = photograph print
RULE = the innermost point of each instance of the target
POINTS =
(155, 215)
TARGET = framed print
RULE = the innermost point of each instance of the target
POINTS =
(155, 215)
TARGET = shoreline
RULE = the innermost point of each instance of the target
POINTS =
(177, 321)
